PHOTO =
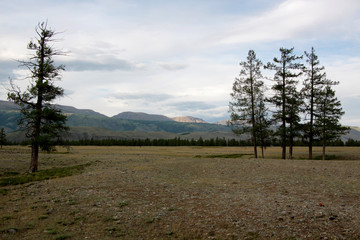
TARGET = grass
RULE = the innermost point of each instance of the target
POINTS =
(166, 193)
(234, 155)
(42, 175)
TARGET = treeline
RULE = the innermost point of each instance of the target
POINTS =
(195, 142)
(177, 141)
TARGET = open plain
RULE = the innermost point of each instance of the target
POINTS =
(181, 193)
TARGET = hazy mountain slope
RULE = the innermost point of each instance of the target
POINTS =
(141, 116)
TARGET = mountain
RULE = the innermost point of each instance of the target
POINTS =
(188, 119)
(86, 124)
(71, 110)
(223, 122)
(141, 116)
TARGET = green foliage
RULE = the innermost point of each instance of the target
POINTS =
(328, 113)
(286, 98)
(2, 137)
(247, 107)
(41, 120)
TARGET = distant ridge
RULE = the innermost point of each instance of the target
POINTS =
(222, 122)
(188, 119)
(142, 116)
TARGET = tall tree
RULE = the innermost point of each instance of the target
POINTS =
(328, 113)
(2, 137)
(42, 121)
(287, 70)
(247, 92)
(263, 123)
(315, 80)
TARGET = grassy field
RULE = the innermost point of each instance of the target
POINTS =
(179, 193)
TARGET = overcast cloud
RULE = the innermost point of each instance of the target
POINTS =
(179, 57)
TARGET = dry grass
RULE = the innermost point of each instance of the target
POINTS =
(182, 193)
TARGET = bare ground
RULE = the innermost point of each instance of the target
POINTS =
(180, 193)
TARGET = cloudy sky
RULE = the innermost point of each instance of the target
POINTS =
(179, 57)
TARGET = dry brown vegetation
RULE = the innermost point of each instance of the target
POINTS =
(182, 193)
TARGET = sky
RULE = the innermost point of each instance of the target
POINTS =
(178, 58)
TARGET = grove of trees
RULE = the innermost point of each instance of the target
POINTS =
(312, 114)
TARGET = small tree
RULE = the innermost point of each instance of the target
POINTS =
(287, 70)
(2, 137)
(247, 95)
(42, 121)
(328, 114)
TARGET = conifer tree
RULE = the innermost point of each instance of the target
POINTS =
(246, 97)
(2, 137)
(42, 121)
(315, 80)
(328, 112)
(287, 70)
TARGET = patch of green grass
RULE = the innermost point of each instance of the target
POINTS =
(123, 204)
(51, 231)
(4, 191)
(63, 236)
(42, 175)
(150, 220)
(72, 202)
(327, 157)
(234, 155)
(6, 217)
(11, 173)
(42, 217)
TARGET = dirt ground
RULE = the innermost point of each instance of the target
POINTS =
(183, 193)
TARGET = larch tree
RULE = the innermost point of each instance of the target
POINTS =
(328, 113)
(315, 80)
(263, 123)
(2, 137)
(246, 94)
(41, 120)
(287, 71)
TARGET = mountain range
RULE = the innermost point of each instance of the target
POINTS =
(87, 124)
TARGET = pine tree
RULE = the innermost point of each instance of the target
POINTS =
(287, 70)
(262, 124)
(247, 92)
(42, 121)
(2, 137)
(313, 84)
(328, 112)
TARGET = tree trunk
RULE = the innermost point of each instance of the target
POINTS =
(324, 146)
(253, 114)
(34, 157)
(283, 117)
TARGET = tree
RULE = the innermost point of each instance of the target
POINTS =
(246, 99)
(312, 89)
(328, 113)
(2, 137)
(42, 121)
(287, 70)
(263, 123)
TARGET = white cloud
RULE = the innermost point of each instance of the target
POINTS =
(296, 19)
(163, 56)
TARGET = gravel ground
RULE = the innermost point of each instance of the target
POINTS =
(182, 193)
